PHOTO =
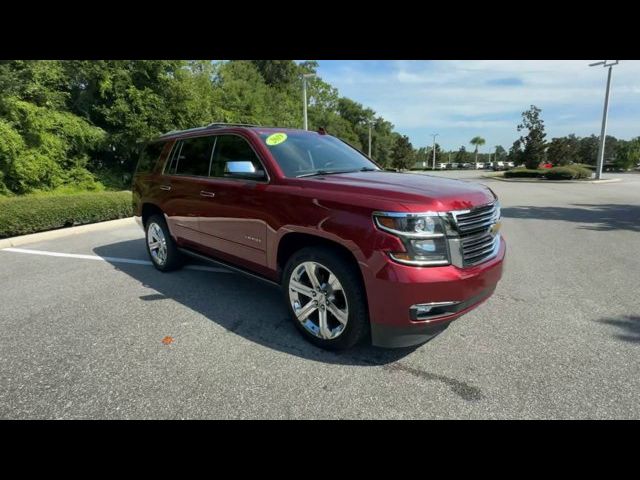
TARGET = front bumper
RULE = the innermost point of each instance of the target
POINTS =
(394, 288)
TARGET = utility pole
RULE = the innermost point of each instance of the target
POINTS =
(605, 113)
(370, 123)
(434, 135)
(304, 97)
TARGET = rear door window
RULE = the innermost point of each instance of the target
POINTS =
(192, 156)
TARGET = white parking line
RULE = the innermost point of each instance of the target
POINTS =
(107, 259)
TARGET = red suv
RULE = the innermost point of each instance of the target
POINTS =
(361, 253)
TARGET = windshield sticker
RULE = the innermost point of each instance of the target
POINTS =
(276, 139)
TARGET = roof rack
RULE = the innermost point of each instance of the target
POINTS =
(223, 125)
(211, 125)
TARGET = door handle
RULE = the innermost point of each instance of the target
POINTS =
(204, 193)
(165, 187)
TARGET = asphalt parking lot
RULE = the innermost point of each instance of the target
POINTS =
(82, 334)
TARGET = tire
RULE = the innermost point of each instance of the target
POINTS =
(345, 308)
(166, 257)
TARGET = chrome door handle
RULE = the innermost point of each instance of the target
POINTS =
(204, 193)
(165, 187)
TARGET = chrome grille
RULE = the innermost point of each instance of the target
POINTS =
(477, 240)
(477, 220)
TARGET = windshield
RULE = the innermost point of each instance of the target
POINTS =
(307, 153)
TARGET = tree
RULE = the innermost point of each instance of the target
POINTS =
(500, 152)
(461, 155)
(402, 155)
(563, 150)
(533, 142)
(477, 142)
(628, 154)
(515, 153)
(588, 149)
(422, 157)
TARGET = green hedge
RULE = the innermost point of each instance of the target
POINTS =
(569, 172)
(36, 213)
(523, 173)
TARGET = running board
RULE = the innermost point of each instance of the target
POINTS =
(235, 269)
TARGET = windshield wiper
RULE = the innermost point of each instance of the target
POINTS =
(330, 172)
(322, 172)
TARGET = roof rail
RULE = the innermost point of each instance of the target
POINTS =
(173, 132)
(223, 125)
(211, 125)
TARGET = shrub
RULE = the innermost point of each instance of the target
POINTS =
(523, 173)
(584, 165)
(21, 215)
(570, 172)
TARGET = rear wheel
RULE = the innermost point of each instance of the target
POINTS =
(326, 298)
(160, 246)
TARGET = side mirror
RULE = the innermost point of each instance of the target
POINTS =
(243, 169)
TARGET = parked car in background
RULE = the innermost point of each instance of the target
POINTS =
(467, 165)
(479, 165)
(509, 164)
(498, 166)
(455, 165)
(441, 166)
(545, 165)
(360, 253)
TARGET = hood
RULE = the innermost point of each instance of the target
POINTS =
(414, 192)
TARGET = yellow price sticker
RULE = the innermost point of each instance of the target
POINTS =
(276, 139)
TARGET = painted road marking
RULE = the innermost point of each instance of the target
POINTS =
(107, 259)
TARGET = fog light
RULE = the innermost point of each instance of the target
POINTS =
(424, 246)
(422, 309)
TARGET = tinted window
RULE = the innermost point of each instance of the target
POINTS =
(192, 156)
(234, 157)
(149, 156)
(303, 153)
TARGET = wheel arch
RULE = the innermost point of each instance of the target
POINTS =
(292, 242)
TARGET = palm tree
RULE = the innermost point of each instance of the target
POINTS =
(477, 142)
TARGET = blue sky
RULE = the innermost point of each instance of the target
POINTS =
(459, 99)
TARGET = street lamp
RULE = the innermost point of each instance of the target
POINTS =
(434, 135)
(304, 96)
(603, 131)
(370, 124)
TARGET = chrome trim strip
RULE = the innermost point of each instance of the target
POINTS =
(420, 263)
(376, 215)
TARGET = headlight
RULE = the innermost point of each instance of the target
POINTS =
(422, 235)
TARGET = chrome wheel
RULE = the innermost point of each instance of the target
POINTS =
(318, 300)
(157, 243)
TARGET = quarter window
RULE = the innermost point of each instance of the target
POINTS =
(149, 156)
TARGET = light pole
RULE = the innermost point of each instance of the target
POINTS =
(370, 123)
(605, 113)
(434, 135)
(304, 96)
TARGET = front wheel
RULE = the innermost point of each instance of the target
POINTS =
(326, 298)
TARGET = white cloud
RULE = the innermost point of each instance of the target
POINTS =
(488, 96)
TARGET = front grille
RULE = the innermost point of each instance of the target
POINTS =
(476, 220)
(477, 241)
(479, 247)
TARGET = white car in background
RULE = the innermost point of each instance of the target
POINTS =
(479, 165)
